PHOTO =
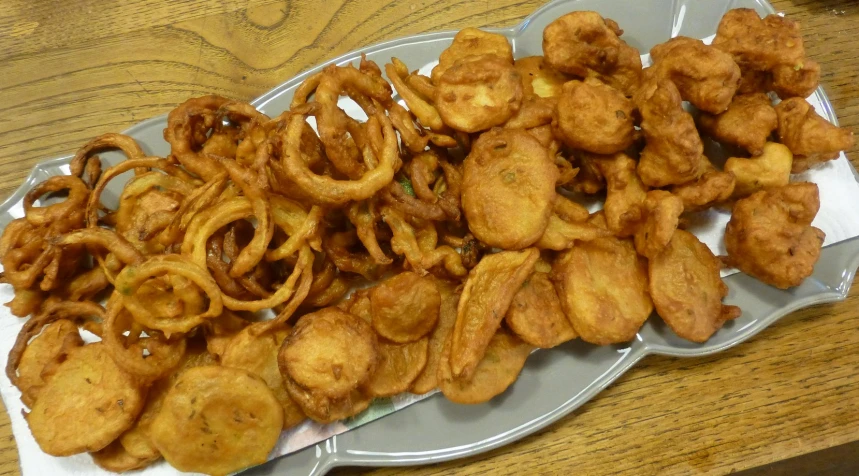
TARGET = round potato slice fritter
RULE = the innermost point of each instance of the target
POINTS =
(535, 315)
(115, 458)
(48, 349)
(330, 352)
(399, 365)
(324, 409)
(405, 307)
(86, 405)
(508, 189)
(472, 41)
(687, 290)
(217, 420)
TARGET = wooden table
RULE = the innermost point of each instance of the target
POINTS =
(72, 70)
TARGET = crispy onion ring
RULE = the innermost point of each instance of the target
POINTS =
(85, 164)
(301, 227)
(69, 210)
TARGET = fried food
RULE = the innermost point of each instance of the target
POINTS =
(487, 295)
(539, 78)
(705, 76)
(508, 189)
(115, 458)
(687, 290)
(770, 169)
(428, 378)
(770, 236)
(499, 367)
(535, 315)
(217, 420)
(398, 366)
(711, 188)
(41, 356)
(748, 123)
(625, 194)
(811, 138)
(602, 285)
(86, 404)
(478, 92)
(594, 117)
(662, 212)
(405, 307)
(468, 42)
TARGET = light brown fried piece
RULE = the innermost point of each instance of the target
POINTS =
(687, 290)
(428, 379)
(588, 179)
(399, 365)
(86, 405)
(562, 234)
(662, 212)
(770, 236)
(472, 41)
(322, 409)
(625, 194)
(594, 117)
(405, 307)
(711, 188)
(535, 315)
(500, 366)
(41, 356)
(705, 76)
(539, 78)
(487, 295)
(602, 285)
(508, 188)
(478, 92)
(217, 420)
(811, 138)
(329, 352)
(759, 44)
(674, 154)
(257, 354)
(798, 80)
(115, 458)
(585, 44)
(770, 169)
(748, 122)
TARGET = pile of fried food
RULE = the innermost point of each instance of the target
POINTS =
(217, 286)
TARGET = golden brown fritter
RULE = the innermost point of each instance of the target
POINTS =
(811, 138)
(625, 194)
(539, 78)
(535, 315)
(594, 117)
(770, 169)
(748, 122)
(472, 41)
(711, 188)
(662, 212)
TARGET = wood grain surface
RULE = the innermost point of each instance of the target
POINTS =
(75, 69)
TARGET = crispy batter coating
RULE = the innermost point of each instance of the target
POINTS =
(535, 315)
(705, 76)
(508, 188)
(217, 420)
(711, 188)
(770, 236)
(323, 409)
(487, 295)
(674, 152)
(748, 122)
(472, 41)
(625, 194)
(662, 212)
(539, 78)
(428, 379)
(811, 138)
(38, 361)
(770, 169)
(115, 458)
(405, 307)
(602, 285)
(478, 92)
(86, 405)
(399, 365)
(687, 290)
(594, 117)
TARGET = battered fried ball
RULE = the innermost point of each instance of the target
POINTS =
(487, 295)
(711, 188)
(428, 379)
(535, 315)
(705, 76)
(497, 370)
(398, 366)
(625, 194)
(770, 236)
(594, 117)
(811, 138)
(602, 285)
(585, 44)
(687, 290)
(478, 92)
(539, 78)
(508, 189)
(770, 169)
(405, 307)
(472, 41)
(86, 405)
(662, 212)
(748, 122)
(38, 361)
(217, 420)
(329, 352)
(674, 152)
(257, 354)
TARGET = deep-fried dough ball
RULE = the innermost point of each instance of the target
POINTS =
(539, 78)
(795, 80)
(594, 117)
(674, 152)
(478, 92)
(405, 307)
(711, 188)
(687, 290)
(770, 236)
(748, 122)
(770, 169)
(508, 188)
(811, 138)
(472, 41)
(662, 212)
(705, 76)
